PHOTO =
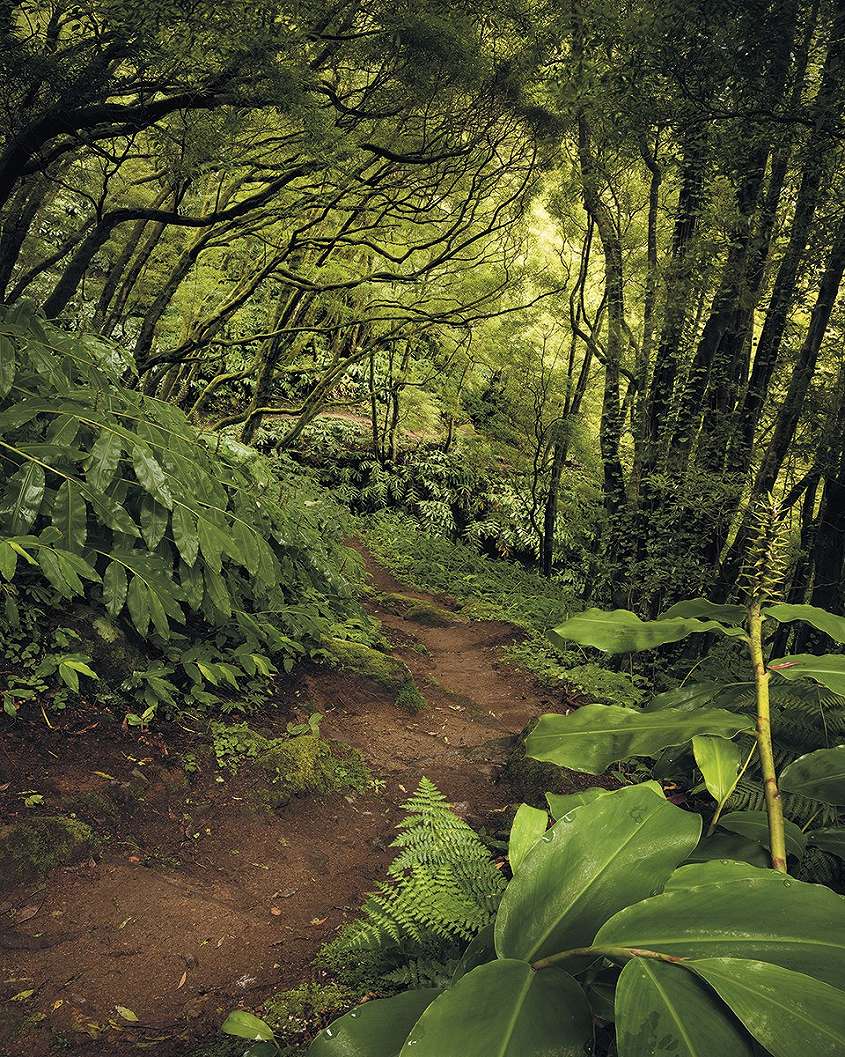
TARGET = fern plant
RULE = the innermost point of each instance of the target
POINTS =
(442, 887)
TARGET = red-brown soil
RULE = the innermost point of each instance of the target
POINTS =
(196, 902)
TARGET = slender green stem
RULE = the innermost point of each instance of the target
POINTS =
(774, 807)
(616, 953)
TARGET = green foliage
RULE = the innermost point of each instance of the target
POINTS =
(714, 953)
(111, 497)
(442, 887)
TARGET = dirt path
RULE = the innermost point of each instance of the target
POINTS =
(198, 903)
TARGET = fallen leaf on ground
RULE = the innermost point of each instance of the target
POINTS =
(182, 981)
(22, 996)
(127, 1014)
(319, 921)
(25, 913)
(275, 911)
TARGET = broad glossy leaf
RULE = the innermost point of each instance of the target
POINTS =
(754, 825)
(51, 566)
(481, 949)
(663, 1011)
(828, 669)
(7, 365)
(819, 775)
(607, 854)
(25, 495)
(718, 760)
(561, 804)
(789, 1013)
(138, 604)
(528, 827)
(706, 610)
(215, 585)
(723, 845)
(69, 515)
(505, 1009)
(8, 560)
(103, 461)
(246, 1026)
(595, 736)
(829, 623)
(247, 547)
(213, 542)
(374, 1029)
(153, 521)
(621, 631)
(830, 839)
(184, 525)
(150, 475)
(716, 872)
(799, 926)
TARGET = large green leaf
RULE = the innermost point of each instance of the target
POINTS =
(829, 623)
(789, 1013)
(607, 854)
(595, 736)
(114, 587)
(706, 610)
(7, 365)
(819, 775)
(69, 515)
(184, 525)
(374, 1029)
(715, 872)
(528, 827)
(150, 475)
(723, 845)
(153, 521)
(505, 1009)
(138, 604)
(621, 631)
(663, 1011)
(775, 918)
(718, 760)
(755, 826)
(691, 695)
(561, 804)
(103, 461)
(24, 497)
(827, 669)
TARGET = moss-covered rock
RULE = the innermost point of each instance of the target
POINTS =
(529, 780)
(308, 765)
(410, 698)
(298, 1014)
(387, 671)
(94, 805)
(420, 610)
(29, 850)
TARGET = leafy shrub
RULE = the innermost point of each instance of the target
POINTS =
(110, 496)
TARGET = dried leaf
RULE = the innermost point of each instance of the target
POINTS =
(182, 981)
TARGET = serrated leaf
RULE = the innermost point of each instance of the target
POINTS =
(104, 460)
(595, 736)
(819, 775)
(184, 525)
(114, 587)
(70, 516)
(150, 475)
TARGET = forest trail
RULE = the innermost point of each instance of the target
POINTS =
(196, 903)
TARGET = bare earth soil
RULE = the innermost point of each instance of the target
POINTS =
(196, 902)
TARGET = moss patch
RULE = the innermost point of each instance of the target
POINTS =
(30, 849)
(419, 610)
(410, 698)
(298, 1014)
(307, 764)
(387, 671)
